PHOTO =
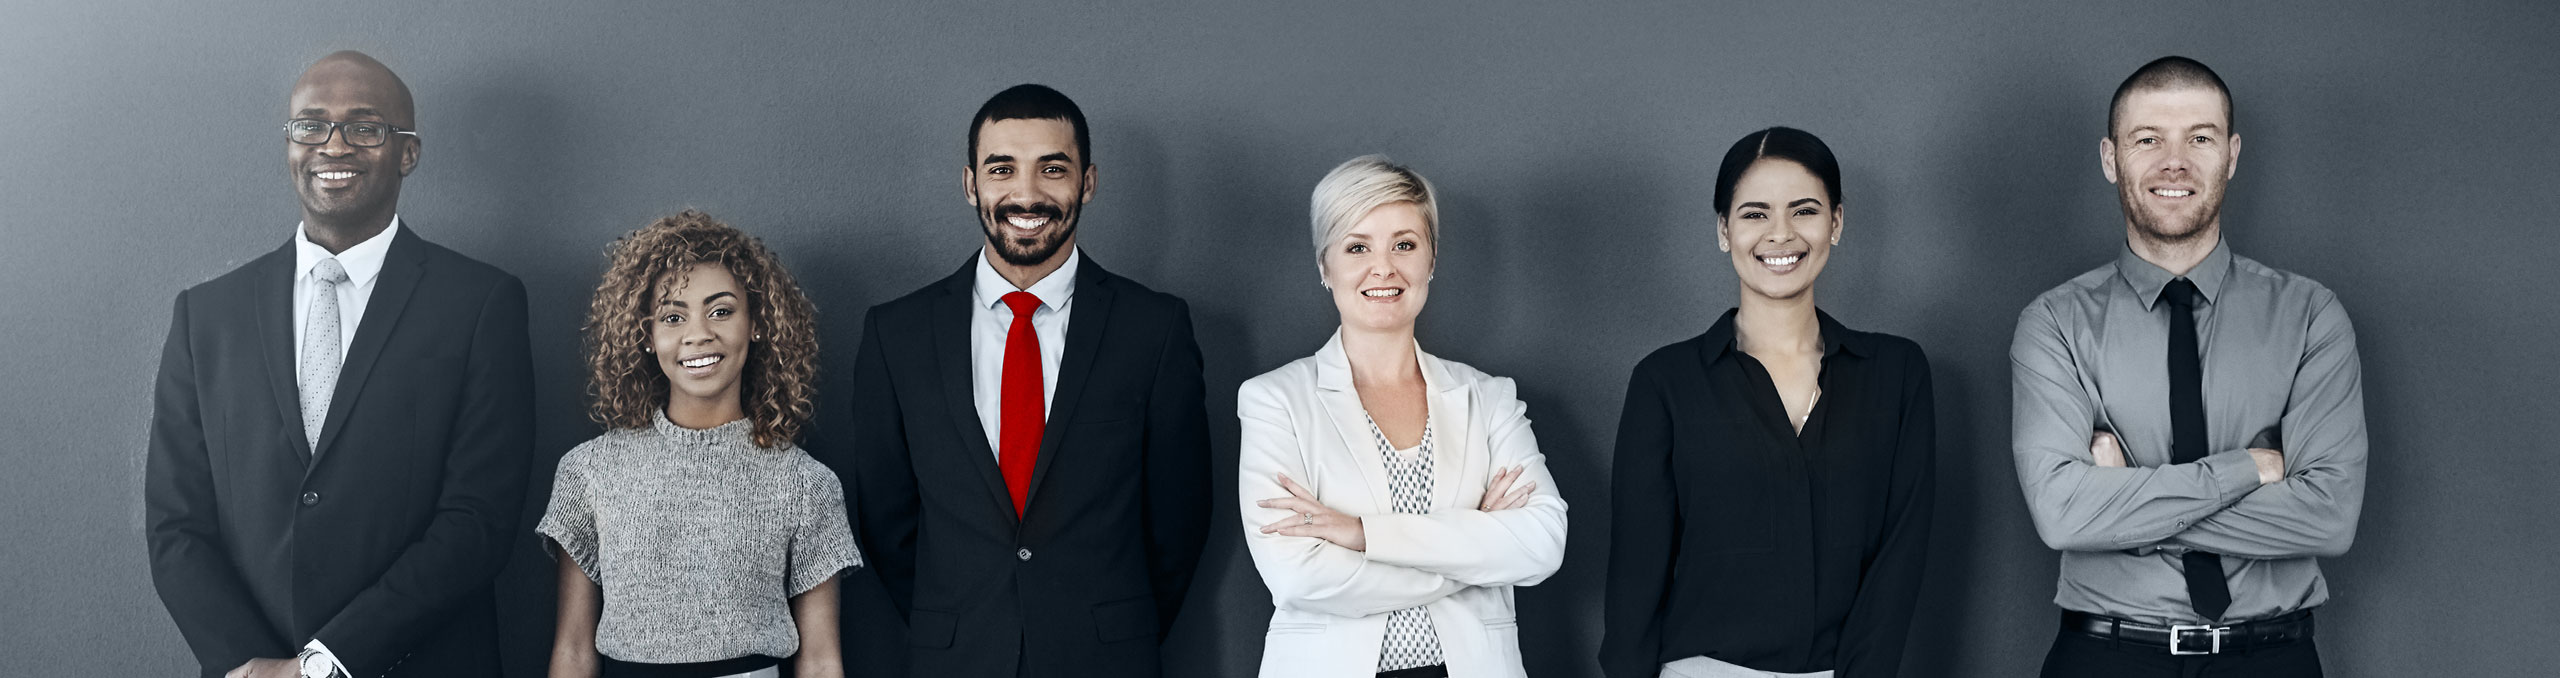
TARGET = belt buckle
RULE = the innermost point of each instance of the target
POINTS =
(2178, 631)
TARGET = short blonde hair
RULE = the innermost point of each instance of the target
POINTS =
(1365, 183)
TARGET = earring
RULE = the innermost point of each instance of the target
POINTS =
(645, 349)
(1835, 241)
(760, 335)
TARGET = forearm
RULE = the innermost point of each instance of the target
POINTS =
(814, 612)
(885, 492)
(2313, 511)
(190, 568)
(2076, 504)
(1644, 532)
(1305, 573)
(1516, 547)
(581, 603)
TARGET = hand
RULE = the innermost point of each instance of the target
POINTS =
(2108, 451)
(1314, 519)
(266, 668)
(2270, 464)
(1499, 494)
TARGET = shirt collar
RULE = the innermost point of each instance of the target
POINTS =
(1053, 291)
(362, 262)
(1836, 338)
(2147, 279)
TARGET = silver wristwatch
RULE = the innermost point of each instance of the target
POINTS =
(314, 665)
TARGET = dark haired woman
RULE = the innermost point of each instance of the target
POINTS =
(693, 537)
(1773, 475)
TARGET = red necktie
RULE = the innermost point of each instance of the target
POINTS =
(1024, 417)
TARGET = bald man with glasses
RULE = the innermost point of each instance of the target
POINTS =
(340, 427)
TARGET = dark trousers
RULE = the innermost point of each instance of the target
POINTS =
(2080, 655)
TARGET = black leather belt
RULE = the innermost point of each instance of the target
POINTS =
(1432, 671)
(2192, 639)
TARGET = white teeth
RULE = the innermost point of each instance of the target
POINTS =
(705, 361)
(1027, 223)
(335, 176)
(1782, 261)
(1383, 293)
(2171, 192)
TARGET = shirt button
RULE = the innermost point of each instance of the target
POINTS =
(310, 498)
(1024, 554)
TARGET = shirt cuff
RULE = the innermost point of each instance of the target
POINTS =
(322, 649)
(2234, 473)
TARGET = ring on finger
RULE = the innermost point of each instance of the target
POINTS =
(1306, 518)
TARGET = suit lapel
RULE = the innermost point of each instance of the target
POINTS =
(275, 340)
(1350, 422)
(951, 367)
(1452, 413)
(403, 263)
(1085, 330)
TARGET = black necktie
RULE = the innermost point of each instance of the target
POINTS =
(2206, 588)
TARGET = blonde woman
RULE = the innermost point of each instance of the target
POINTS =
(1391, 498)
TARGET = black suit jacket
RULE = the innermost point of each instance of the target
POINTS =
(1088, 579)
(383, 545)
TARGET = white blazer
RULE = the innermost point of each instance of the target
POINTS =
(1305, 420)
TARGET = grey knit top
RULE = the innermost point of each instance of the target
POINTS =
(698, 539)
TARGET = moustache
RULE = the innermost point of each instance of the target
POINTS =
(1042, 210)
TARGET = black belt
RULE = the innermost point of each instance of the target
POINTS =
(1432, 671)
(2189, 639)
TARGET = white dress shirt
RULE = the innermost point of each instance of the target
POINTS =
(363, 263)
(990, 320)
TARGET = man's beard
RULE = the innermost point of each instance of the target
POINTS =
(1029, 251)
(2157, 226)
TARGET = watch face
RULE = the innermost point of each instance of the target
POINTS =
(314, 665)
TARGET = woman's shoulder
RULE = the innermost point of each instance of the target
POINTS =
(604, 447)
(1294, 375)
(1894, 348)
(808, 470)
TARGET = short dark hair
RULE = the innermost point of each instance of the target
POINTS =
(1780, 143)
(1031, 102)
(2170, 72)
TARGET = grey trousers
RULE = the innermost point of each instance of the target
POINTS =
(1703, 667)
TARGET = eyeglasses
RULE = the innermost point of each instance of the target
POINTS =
(360, 134)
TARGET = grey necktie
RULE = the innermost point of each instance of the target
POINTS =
(320, 348)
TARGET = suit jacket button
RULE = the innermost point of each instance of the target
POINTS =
(1024, 554)
(310, 498)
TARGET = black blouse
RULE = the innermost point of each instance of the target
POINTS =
(1736, 538)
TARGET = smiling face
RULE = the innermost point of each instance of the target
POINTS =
(1780, 230)
(1380, 270)
(700, 333)
(1029, 184)
(340, 184)
(2170, 156)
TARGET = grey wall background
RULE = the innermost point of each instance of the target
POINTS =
(2401, 154)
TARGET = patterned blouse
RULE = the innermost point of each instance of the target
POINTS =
(1410, 641)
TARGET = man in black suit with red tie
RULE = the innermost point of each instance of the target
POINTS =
(340, 428)
(1030, 445)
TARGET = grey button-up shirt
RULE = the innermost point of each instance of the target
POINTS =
(2280, 371)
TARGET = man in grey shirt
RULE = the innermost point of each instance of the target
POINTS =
(2188, 423)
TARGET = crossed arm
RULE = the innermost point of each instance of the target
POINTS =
(1318, 559)
(2251, 503)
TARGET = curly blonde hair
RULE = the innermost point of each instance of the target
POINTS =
(779, 386)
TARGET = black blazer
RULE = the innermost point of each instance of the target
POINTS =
(384, 545)
(1087, 581)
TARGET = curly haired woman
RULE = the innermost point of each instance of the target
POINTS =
(685, 526)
